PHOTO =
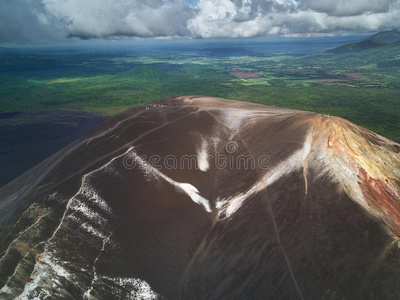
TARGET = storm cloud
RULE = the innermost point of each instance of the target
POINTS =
(105, 18)
(38, 21)
(24, 21)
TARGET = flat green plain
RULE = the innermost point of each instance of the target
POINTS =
(362, 87)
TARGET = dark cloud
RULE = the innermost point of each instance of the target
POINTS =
(36, 21)
(28, 22)
(105, 18)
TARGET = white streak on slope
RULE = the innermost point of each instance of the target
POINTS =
(187, 188)
(89, 192)
(137, 289)
(294, 162)
(48, 268)
(202, 156)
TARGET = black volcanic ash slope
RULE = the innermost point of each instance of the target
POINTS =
(205, 198)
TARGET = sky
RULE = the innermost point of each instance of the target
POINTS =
(31, 22)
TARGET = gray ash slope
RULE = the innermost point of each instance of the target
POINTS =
(28, 139)
(103, 219)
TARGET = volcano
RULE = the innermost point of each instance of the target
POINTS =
(205, 198)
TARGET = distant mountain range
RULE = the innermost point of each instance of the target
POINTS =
(381, 39)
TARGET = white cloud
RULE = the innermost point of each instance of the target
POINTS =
(246, 18)
(32, 21)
